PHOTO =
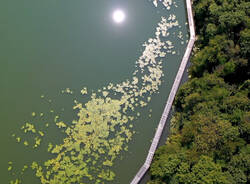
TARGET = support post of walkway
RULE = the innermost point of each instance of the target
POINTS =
(171, 97)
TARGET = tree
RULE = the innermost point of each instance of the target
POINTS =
(210, 131)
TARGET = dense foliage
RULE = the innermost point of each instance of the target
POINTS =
(210, 131)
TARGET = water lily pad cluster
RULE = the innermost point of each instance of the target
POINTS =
(166, 3)
(104, 124)
(29, 128)
(104, 127)
(67, 91)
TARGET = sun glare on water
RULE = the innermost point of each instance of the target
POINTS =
(119, 16)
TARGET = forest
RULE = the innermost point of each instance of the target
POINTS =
(210, 129)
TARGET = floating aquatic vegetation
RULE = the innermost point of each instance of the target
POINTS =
(50, 146)
(67, 91)
(56, 118)
(9, 168)
(105, 93)
(84, 91)
(24, 168)
(17, 181)
(104, 124)
(37, 142)
(26, 143)
(61, 124)
(166, 3)
(28, 127)
(180, 35)
(103, 128)
(18, 139)
(41, 133)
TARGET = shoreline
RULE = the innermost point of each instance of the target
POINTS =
(165, 115)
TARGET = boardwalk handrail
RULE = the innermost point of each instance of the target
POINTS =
(171, 97)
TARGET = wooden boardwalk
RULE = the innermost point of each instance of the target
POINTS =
(171, 97)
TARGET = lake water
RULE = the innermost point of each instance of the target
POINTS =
(51, 45)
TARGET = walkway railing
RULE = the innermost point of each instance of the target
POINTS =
(171, 97)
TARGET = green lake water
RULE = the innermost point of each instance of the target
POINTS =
(50, 45)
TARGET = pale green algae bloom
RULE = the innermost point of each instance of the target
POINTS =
(104, 124)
